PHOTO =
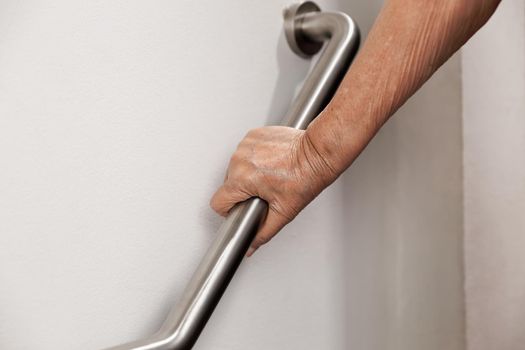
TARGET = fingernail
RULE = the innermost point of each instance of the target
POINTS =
(250, 251)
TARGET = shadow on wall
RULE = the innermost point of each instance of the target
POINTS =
(402, 200)
(366, 239)
(363, 194)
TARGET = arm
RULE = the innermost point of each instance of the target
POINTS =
(288, 168)
(409, 42)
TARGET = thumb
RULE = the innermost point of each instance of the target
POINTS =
(271, 225)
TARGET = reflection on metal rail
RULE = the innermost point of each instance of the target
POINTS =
(307, 30)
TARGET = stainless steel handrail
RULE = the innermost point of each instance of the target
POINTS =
(307, 30)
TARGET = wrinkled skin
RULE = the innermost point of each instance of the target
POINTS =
(288, 168)
(279, 165)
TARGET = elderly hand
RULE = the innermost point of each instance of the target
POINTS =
(280, 165)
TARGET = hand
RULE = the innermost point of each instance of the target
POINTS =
(280, 165)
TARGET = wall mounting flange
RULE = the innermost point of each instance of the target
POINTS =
(293, 17)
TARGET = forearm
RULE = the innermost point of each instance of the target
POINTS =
(288, 168)
(410, 40)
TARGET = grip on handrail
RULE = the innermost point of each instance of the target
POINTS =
(307, 29)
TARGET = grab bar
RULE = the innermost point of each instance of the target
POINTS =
(306, 30)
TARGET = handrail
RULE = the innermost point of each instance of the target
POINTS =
(307, 30)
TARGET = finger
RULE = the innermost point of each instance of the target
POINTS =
(271, 225)
(226, 197)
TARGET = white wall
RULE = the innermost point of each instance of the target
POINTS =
(494, 138)
(117, 121)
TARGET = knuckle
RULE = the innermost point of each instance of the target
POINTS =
(247, 137)
(254, 133)
(214, 203)
(235, 158)
(261, 240)
(284, 215)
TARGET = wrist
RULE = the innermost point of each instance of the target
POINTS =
(320, 164)
(325, 140)
(337, 137)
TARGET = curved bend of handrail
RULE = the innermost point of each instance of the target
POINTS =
(341, 35)
(184, 323)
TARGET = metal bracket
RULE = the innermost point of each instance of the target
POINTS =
(298, 41)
